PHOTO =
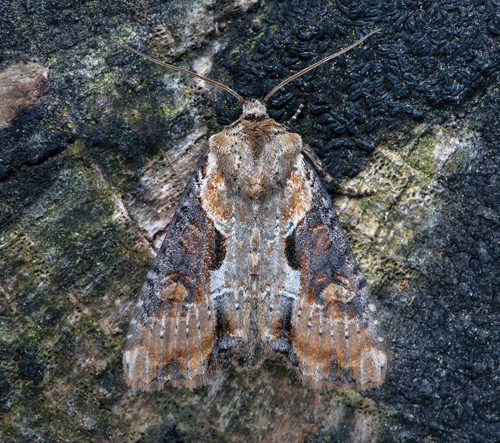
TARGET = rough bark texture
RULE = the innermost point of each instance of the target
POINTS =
(93, 159)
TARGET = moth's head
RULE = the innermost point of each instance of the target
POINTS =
(254, 110)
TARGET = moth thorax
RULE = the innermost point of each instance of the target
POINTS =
(254, 110)
(255, 186)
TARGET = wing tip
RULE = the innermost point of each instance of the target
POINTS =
(138, 376)
(367, 376)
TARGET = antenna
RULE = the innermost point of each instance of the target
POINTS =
(315, 65)
(185, 71)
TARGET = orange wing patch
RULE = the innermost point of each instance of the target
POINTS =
(173, 292)
(298, 198)
(214, 199)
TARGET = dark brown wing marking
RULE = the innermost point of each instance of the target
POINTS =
(333, 331)
(173, 329)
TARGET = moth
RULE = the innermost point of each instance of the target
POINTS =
(255, 265)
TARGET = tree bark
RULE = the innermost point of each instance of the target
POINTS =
(98, 144)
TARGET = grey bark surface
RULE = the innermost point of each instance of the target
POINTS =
(97, 144)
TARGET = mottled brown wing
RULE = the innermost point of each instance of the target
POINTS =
(173, 329)
(330, 324)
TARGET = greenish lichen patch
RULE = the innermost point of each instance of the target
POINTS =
(58, 279)
(409, 199)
